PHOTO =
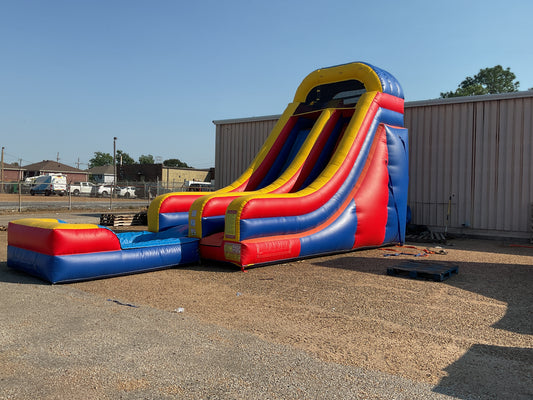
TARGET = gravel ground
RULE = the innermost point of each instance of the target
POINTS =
(324, 328)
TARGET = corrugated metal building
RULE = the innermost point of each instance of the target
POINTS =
(471, 161)
(237, 143)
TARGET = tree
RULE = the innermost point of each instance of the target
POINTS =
(100, 159)
(175, 162)
(487, 81)
(148, 159)
(126, 159)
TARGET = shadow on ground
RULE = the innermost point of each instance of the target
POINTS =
(9, 275)
(510, 365)
(511, 374)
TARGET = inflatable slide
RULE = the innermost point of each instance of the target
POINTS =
(331, 177)
(351, 193)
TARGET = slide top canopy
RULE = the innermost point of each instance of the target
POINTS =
(344, 84)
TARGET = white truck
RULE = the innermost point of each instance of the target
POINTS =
(90, 189)
(198, 186)
(83, 188)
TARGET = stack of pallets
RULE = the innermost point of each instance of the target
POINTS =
(124, 219)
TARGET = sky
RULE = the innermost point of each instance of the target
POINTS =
(155, 74)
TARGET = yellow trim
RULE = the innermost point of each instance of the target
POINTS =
(197, 207)
(357, 71)
(49, 223)
(153, 213)
(235, 208)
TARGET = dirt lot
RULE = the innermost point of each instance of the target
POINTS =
(470, 336)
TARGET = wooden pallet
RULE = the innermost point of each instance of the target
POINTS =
(424, 270)
(124, 219)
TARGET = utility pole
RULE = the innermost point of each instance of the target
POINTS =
(114, 173)
(2, 172)
(20, 184)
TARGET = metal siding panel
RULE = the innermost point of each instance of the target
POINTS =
(435, 172)
(432, 150)
(511, 135)
(416, 122)
(481, 169)
(226, 165)
(491, 164)
(518, 158)
(441, 168)
(426, 161)
(527, 165)
(445, 164)
(237, 145)
(522, 167)
(416, 150)
(501, 146)
(495, 209)
(455, 159)
(218, 179)
(465, 176)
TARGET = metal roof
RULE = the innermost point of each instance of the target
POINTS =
(407, 104)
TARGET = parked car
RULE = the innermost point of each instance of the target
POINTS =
(27, 184)
(104, 190)
(49, 184)
(85, 188)
(128, 192)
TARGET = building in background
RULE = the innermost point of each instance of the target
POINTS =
(102, 174)
(471, 161)
(169, 178)
(12, 173)
(47, 167)
(172, 178)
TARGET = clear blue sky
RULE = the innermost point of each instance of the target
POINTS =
(155, 74)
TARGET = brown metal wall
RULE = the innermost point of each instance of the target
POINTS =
(237, 143)
(476, 150)
(479, 151)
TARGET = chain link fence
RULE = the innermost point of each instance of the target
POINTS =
(141, 190)
(19, 195)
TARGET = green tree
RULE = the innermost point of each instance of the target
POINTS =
(146, 159)
(100, 159)
(126, 159)
(487, 81)
(175, 162)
